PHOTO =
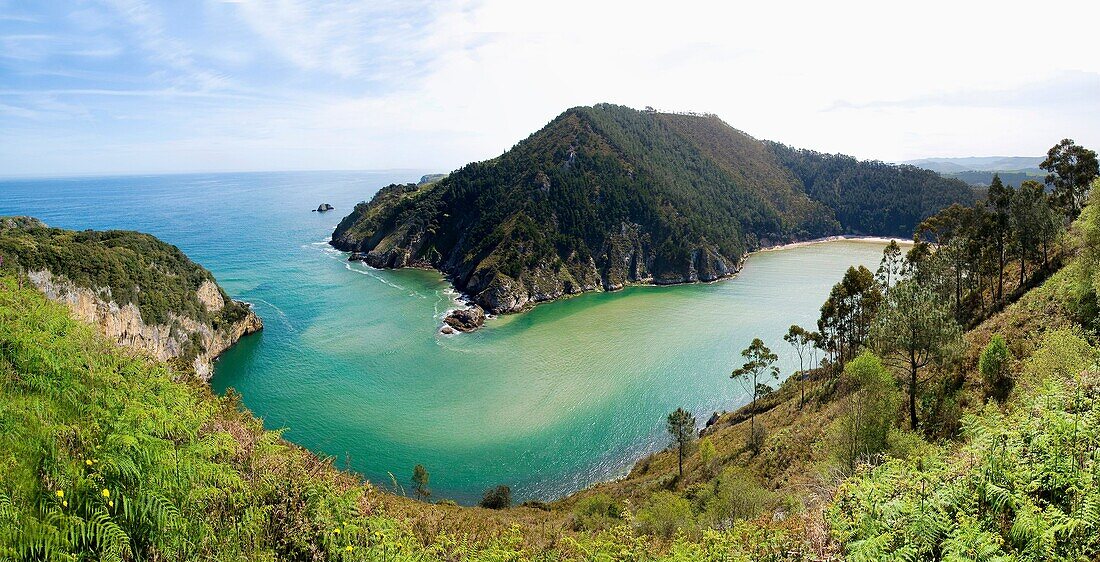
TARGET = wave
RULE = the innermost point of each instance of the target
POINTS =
(369, 273)
(282, 315)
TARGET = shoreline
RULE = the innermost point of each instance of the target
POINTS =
(461, 298)
(837, 238)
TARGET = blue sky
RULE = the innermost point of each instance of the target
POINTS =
(135, 86)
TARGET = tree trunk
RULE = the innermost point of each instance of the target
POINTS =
(912, 392)
(752, 417)
(802, 383)
(1000, 269)
(681, 458)
(958, 291)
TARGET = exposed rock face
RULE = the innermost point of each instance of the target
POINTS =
(627, 258)
(713, 419)
(210, 297)
(430, 178)
(180, 337)
(466, 320)
(323, 207)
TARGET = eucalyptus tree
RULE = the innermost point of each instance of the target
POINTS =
(999, 199)
(802, 341)
(891, 268)
(1029, 220)
(848, 313)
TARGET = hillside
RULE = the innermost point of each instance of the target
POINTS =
(136, 289)
(605, 196)
(1002, 466)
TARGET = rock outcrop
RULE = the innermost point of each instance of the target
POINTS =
(323, 207)
(182, 337)
(465, 319)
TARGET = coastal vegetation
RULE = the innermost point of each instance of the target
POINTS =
(953, 416)
(135, 267)
(606, 195)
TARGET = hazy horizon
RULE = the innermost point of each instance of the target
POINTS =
(131, 87)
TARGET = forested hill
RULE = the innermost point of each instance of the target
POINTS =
(604, 196)
(871, 197)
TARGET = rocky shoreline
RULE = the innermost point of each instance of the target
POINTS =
(512, 298)
(464, 320)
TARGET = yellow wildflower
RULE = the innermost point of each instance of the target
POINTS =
(65, 504)
(106, 493)
(336, 530)
(111, 503)
(350, 548)
(61, 493)
(88, 462)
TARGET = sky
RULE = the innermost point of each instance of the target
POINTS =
(138, 86)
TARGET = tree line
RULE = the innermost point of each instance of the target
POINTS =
(911, 312)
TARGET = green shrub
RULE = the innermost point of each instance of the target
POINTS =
(1062, 354)
(737, 495)
(665, 515)
(994, 365)
(870, 412)
(597, 512)
(708, 456)
(499, 497)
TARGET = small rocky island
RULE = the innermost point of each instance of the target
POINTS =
(323, 208)
(464, 320)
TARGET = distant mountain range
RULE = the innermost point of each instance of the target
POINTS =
(979, 163)
(979, 170)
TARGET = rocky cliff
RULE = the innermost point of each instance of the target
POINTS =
(135, 289)
(195, 343)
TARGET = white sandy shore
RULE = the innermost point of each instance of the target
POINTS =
(870, 239)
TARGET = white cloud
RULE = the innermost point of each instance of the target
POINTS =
(149, 26)
(296, 84)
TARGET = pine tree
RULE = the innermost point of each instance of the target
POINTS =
(681, 426)
(760, 362)
(420, 479)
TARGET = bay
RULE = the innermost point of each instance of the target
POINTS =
(351, 363)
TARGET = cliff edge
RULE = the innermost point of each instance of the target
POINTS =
(135, 289)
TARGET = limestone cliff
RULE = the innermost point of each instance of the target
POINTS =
(136, 289)
(181, 337)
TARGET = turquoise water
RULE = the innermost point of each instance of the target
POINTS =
(351, 363)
